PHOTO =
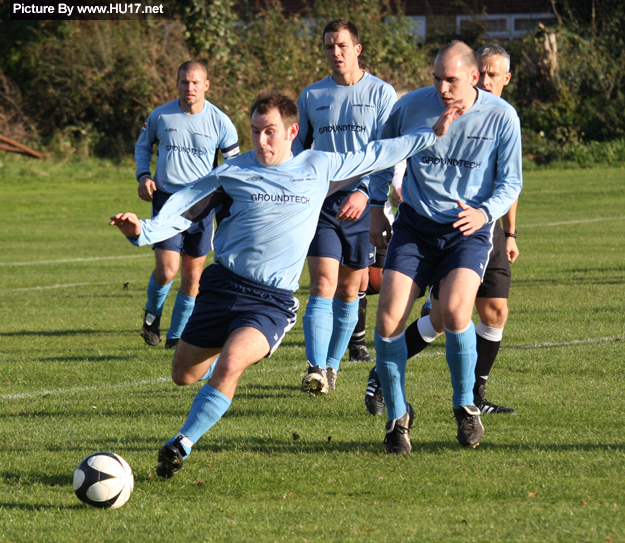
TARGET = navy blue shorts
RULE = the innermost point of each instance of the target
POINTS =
(345, 241)
(228, 301)
(496, 282)
(426, 250)
(196, 241)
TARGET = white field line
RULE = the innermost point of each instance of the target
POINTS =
(67, 391)
(64, 260)
(68, 285)
(132, 384)
(580, 221)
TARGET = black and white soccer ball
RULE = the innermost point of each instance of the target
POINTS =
(104, 480)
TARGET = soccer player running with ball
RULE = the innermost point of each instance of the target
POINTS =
(270, 202)
(188, 132)
(454, 192)
(340, 113)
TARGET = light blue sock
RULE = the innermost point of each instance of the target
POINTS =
(317, 323)
(461, 350)
(156, 296)
(345, 318)
(180, 315)
(208, 406)
(428, 302)
(390, 363)
(210, 371)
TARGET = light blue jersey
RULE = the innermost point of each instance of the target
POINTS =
(478, 161)
(341, 118)
(187, 144)
(268, 215)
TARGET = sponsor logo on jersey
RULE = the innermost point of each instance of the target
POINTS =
(322, 108)
(364, 105)
(200, 134)
(171, 130)
(304, 179)
(342, 128)
(480, 138)
(282, 198)
(446, 161)
(144, 127)
(255, 178)
(188, 150)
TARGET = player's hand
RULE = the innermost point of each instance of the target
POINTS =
(352, 206)
(451, 113)
(396, 198)
(380, 229)
(128, 223)
(146, 187)
(469, 219)
(512, 249)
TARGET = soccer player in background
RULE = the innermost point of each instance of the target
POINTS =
(341, 113)
(246, 303)
(188, 130)
(492, 296)
(454, 193)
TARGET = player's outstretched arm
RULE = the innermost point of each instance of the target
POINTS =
(451, 113)
(128, 224)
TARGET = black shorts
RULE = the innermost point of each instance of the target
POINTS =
(496, 282)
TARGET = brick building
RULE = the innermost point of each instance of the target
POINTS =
(502, 19)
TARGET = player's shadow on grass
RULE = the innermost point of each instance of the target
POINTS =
(62, 333)
(39, 507)
(307, 444)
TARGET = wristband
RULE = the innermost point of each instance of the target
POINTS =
(511, 234)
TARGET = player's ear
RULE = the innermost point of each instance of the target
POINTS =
(475, 77)
(207, 85)
(293, 131)
(358, 49)
(506, 79)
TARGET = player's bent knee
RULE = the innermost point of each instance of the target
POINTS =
(495, 312)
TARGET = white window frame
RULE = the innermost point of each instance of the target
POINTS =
(510, 18)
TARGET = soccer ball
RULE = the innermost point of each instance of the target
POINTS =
(104, 480)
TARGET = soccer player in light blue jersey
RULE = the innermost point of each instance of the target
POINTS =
(188, 132)
(454, 192)
(340, 113)
(492, 296)
(269, 204)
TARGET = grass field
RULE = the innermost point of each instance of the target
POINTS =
(76, 378)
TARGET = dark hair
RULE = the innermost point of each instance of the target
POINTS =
(191, 65)
(342, 24)
(467, 54)
(270, 99)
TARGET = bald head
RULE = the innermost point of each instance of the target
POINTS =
(455, 74)
(459, 52)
